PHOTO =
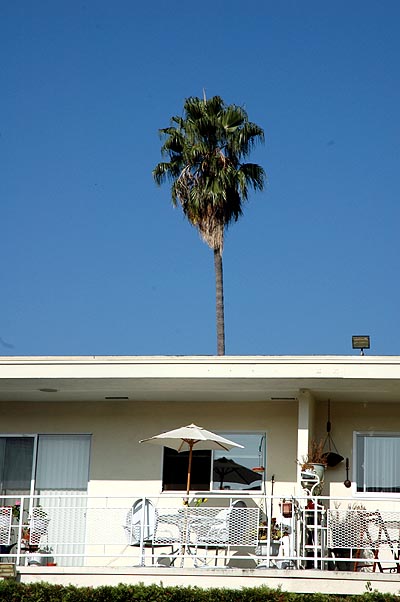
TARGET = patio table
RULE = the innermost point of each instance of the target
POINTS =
(186, 527)
(172, 528)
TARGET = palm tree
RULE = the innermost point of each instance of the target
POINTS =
(205, 149)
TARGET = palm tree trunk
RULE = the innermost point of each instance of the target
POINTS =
(219, 294)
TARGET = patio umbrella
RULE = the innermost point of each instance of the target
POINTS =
(226, 470)
(187, 437)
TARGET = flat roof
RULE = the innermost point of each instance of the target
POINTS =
(199, 378)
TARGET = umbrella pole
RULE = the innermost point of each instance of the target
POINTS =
(186, 502)
(189, 468)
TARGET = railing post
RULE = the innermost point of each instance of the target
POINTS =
(19, 530)
(142, 528)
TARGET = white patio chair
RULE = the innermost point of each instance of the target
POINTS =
(140, 519)
(234, 526)
(140, 527)
(5, 529)
(38, 525)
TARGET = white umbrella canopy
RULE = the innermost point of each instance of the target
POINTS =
(186, 437)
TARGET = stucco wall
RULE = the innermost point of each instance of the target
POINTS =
(347, 418)
(121, 464)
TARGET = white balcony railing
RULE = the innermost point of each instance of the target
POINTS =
(249, 530)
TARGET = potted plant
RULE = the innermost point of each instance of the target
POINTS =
(315, 463)
(48, 559)
(16, 510)
(42, 557)
(275, 536)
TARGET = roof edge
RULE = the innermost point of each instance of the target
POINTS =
(200, 359)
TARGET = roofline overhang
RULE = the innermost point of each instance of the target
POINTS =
(253, 366)
(200, 378)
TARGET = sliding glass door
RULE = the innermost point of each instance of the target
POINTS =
(55, 468)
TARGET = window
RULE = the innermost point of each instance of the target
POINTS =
(217, 469)
(175, 469)
(48, 462)
(378, 462)
(63, 462)
(16, 458)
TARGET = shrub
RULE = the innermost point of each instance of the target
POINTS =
(12, 591)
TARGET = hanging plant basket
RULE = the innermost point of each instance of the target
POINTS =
(332, 457)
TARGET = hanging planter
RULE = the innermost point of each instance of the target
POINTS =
(333, 459)
(287, 509)
(331, 456)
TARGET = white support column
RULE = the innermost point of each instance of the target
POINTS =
(305, 425)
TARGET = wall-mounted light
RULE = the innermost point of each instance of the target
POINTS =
(360, 342)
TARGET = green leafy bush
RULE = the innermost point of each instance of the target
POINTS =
(12, 591)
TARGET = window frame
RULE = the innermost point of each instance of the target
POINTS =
(369, 494)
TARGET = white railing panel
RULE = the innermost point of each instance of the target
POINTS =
(320, 533)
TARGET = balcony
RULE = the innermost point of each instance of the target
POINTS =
(250, 531)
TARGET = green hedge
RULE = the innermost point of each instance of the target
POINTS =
(12, 591)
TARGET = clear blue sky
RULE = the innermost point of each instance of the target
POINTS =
(94, 260)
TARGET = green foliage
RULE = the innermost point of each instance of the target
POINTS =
(12, 591)
(206, 149)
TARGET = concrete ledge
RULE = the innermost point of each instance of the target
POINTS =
(300, 581)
